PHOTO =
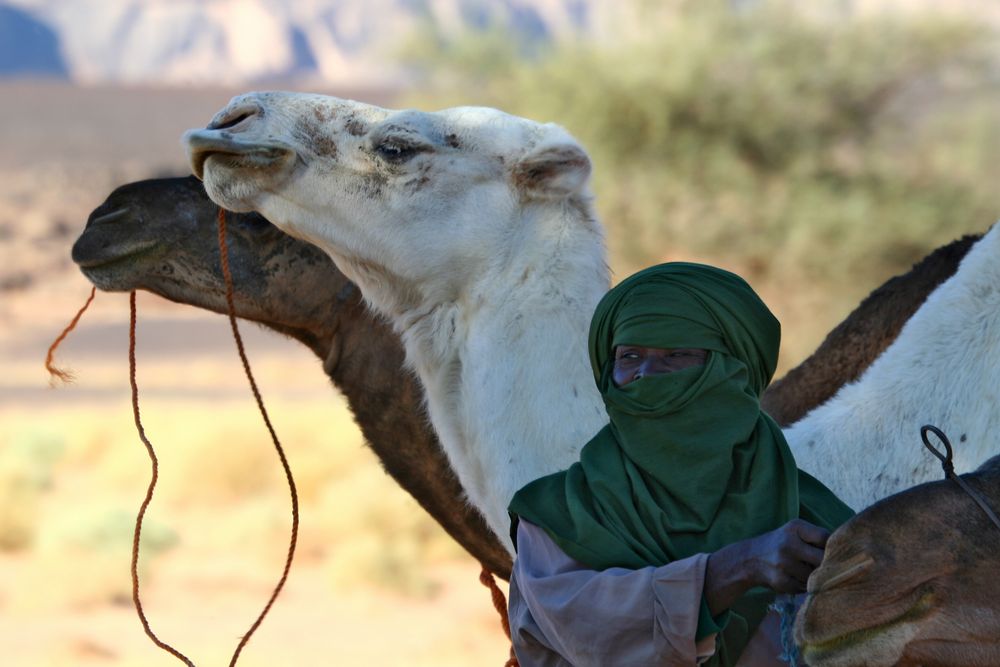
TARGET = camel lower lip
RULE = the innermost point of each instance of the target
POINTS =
(815, 651)
(203, 144)
(105, 259)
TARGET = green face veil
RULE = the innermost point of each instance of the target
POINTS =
(689, 463)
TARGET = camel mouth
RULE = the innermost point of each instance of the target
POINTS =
(95, 251)
(834, 650)
(119, 271)
(108, 240)
(230, 153)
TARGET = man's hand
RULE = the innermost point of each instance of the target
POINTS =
(781, 560)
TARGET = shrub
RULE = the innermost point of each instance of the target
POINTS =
(26, 464)
(795, 148)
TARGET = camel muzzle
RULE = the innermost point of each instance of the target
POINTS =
(203, 144)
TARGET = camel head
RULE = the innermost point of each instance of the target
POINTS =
(411, 205)
(160, 235)
(912, 580)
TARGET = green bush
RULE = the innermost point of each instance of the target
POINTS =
(26, 463)
(795, 148)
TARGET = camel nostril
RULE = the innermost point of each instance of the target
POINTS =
(105, 218)
(230, 118)
(847, 571)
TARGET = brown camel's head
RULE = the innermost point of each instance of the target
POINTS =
(912, 580)
(160, 235)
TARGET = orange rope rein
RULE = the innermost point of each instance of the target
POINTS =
(500, 604)
(58, 373)
(65, 376)
(293, 539)
(227, 276)
(485, 577)
(149, 491)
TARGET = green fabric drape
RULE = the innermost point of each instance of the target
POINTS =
(689, 463)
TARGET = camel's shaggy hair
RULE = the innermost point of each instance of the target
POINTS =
(473, 231)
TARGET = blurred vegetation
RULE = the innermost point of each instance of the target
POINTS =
(69, 494)
(26, 464)
(796, 148)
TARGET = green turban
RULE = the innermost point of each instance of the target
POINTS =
(689, 463)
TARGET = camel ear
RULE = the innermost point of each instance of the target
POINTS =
(553, 170)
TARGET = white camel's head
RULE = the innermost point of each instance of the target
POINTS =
(394, 196)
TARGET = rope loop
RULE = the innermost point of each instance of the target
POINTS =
(946, 458)
(949, 470)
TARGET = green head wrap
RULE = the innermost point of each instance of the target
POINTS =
(689, 462)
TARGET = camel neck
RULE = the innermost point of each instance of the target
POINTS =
(486, 361)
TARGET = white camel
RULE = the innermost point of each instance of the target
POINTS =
(473, 232)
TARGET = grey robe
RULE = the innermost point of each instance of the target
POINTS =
(562, 613)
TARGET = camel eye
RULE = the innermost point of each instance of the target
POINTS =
(395, 151)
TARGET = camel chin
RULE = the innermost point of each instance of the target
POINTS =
(115, 272)
(931, 632)
(876, 645)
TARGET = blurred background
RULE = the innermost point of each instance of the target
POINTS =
(816, 148)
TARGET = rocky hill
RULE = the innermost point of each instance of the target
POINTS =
(350, 42)
(334, 42)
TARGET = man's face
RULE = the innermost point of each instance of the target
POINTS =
(633, 361)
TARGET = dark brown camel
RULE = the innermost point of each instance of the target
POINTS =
(913, 580)
(160, 235)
